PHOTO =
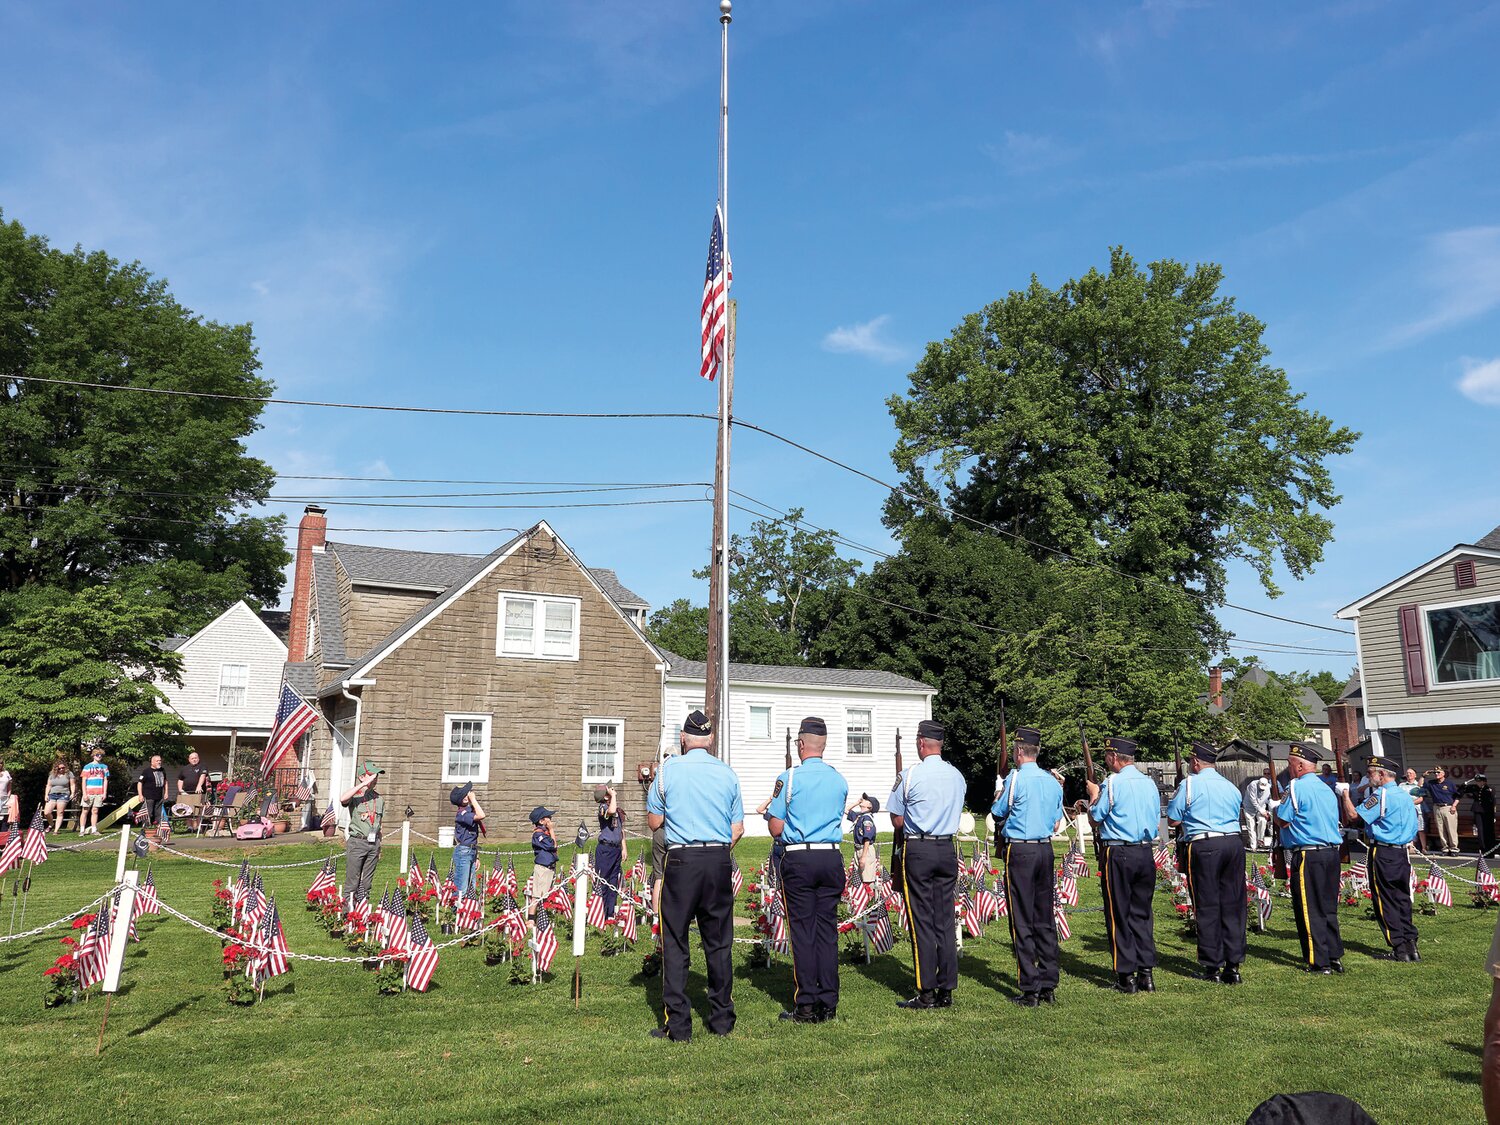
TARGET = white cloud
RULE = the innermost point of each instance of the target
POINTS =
(1481, 381)
(864, 339)
(1027, 152)
(1464, 268)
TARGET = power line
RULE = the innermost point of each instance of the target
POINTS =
(374, 480)
(992, 528)
(175, 392)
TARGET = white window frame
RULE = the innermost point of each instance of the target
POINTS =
(617, 775)
(244, 687)
(1431, 654)
(538, 625)
(483, 776)
(869, 732)
(750, 708)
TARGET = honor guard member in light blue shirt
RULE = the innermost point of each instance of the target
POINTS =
(1390, 823)
(926, 805)
(807, 816)
(1207, 805)
(696, 798)
(1126, 811)
(1030, 806)
(1309, 818)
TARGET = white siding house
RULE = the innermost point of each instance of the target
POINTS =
(231, 680)
(863, 710)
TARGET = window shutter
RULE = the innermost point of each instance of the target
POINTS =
(1463, 575)
(1411, 650)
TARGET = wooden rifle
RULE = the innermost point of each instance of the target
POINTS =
(898, 835)
(1278, 853)
(1001, 765)
(1177, 833)
(788, 747)
(1091, 778)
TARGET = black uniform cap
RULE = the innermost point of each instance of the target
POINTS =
(1028, 736)
(931, 728)
(1305, 752)
(813, 725)
(697, 724)
(1379, 763)
(1205, 752)
(1125, 747)
(874, 802)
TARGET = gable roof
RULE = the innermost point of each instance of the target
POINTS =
(330, 631)
(478, 569)
(1353, 692)
(795, 675)
(381, 566)
(1488, 547)
(618, 592)
(239, 610)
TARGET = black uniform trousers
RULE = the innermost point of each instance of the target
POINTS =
(1216, 880)
(812, 883)
(1313, 874)
(1128, 877)
(607, 862)
(1390, 887)
(930, 880)
(1031, 894)
(696, 886)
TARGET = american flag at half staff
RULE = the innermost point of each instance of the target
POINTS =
(714, 315)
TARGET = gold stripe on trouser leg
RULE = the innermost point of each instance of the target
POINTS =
(1307, 939)
(661, 921)
(1109, 911)
(791, 946)
(911, 922)
(1375, 894)
(1010, 909)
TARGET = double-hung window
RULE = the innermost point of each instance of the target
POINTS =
(760, 722)
(539, 626)
(234, 683)
(466, 748)
(603, 751)
(859, 740)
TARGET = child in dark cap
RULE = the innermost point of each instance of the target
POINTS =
(864, 836)
(543, 857)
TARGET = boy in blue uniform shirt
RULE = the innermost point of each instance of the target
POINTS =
(1390, 822)
(609, 851)
(467, 822)
(863, 819)
(1309, 817)
(806, 815)
(543, 857)
(1207, 805)
(1030, 806)
(696, 799)
(1126, 810)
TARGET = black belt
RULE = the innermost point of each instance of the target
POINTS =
(1039, 840)
(1210, 836)
(1309, 847)
(1126, 843)
(925, 836)
(675, 847)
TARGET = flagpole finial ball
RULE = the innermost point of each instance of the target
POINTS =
(725, 7)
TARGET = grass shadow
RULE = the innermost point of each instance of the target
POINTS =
(885, 971)
(161, 1017)
(774, 980)
(1095, 973)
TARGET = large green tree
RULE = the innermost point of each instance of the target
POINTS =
(147, 490)
(1127, 417)
(77, 670)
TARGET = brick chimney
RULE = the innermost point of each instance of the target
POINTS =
(1216, 686)
(1343, 727)
(311, 532)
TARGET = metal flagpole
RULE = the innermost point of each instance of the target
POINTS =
(726, 404)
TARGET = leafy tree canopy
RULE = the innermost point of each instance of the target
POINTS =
(1263, 712)
(76, 670)
(1128, 418)
(143, 490)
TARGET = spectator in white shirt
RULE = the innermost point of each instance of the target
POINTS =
(1256, 810)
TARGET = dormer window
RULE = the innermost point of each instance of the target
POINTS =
(538, 626)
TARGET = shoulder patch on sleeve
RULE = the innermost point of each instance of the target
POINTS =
(1372, 802)
(776, 790)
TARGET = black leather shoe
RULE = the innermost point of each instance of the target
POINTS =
(825, 1013)
(1047, 996)
(1125, 983)
(920, 1002)
(1026, 1000)
(1318, 970)
(1208, 972)
(943, 997)
(1412, 949)
(1145, 981)
(806, 1014)
(662, 1033)
(1336, 965)
(1230, 975)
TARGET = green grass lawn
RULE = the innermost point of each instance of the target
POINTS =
(1402, 1039)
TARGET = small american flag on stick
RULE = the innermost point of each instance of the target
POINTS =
(1064, 932)
(1437, 887)
(1482, 877)
(34, 846)
(146, 901)
(544, 944)
(1262, 896)
(422, 962)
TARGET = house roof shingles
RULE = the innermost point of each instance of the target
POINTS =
(330, 634)
(302, 677)
(1490, 542)
(619, 593)
(798, 675)
(377, 565)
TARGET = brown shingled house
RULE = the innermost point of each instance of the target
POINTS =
(522, 671)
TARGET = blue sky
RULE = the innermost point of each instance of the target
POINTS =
(507, 206)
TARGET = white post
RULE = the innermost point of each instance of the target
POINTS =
(580, 900)
(405, 845)
(121, 933)
(124, 852)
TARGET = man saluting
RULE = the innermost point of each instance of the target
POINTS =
(696, 798)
